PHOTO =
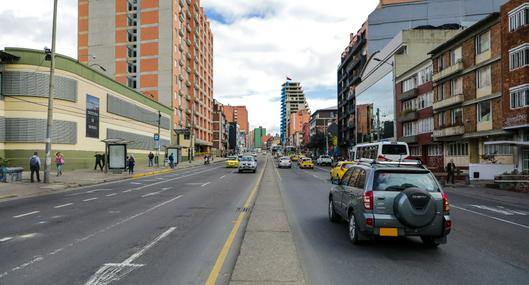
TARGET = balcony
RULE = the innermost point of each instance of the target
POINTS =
(408, 115)
(452, 100)
(412, 93)
(449, 131)
(451, 70)
(409, 139)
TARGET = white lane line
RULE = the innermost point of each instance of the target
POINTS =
(115, 271)
(90, 199)
(5, 239)
(492, 217)
(222, 177)
(110, 195)
(166, 188)
(179, 177)
(26, 214)
(74, 243)
(205, 184)
(63, 205)
(150, 194)
(136, 183)
(97, 190)
(127, 191)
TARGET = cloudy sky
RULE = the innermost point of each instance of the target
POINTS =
(257, 44)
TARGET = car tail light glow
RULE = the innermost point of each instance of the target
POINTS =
(446, 206)
(448, 225)
(381, 157)
(369, 222)
(368, 200)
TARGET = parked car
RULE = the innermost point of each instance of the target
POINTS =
(248, 163)
(306, 163)
(391, 199)
(339, 170)
(284, 162)
(324, 160)
(232, 162)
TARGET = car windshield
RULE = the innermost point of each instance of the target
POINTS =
(232, 158)
(247, 158)
(285, 158)
(307, 160)
(324, 156)
(399, 181)
(394, 149)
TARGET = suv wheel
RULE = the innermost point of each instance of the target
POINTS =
(333, 216)
(430, 241)
(353, 230)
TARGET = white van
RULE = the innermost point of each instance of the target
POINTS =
(388, 151)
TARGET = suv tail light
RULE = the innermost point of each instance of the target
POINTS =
(368, 200)
(446, 206)
(381, 157)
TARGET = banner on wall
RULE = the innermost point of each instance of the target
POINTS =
(92, 117)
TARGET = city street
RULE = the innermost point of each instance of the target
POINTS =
(488, 243)
(166, 229)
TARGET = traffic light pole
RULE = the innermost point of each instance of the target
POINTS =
(49, 122)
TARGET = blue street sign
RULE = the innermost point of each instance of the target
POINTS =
(156, 137)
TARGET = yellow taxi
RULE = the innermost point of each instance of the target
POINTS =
(306, 163)
(232, 162)
(339, 170)
(294, 157)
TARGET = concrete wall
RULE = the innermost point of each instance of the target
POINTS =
(100, 42)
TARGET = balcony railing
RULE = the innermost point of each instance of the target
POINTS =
(452, 100)
(448, 132)
(412, 93)
(453, 69)
(409, 139)
(407, 116)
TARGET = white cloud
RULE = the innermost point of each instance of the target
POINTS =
(257, 44)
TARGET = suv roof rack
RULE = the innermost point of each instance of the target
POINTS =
(403, 162)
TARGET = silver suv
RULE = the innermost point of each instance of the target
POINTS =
(391, 199)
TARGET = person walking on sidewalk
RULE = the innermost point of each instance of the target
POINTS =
(151, 159)
(34, 166)
(100, 161)
(451, 170)
(131, 163)
(59, 161)
(171, 160)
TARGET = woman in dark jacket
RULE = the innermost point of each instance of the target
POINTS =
(131, 163)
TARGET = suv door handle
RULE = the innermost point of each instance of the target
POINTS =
(381, 198)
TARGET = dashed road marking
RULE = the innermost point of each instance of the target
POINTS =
(5, 239)
(491, 217)
(90, 199)
(222, 177)
(205, 184)
(136, 183)
(26, 214)
(150, 194)
(110, 195)
(127, 191)
(63, 205)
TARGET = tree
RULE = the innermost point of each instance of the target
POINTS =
(317, 142)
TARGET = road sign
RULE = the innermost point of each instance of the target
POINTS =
(156, 137)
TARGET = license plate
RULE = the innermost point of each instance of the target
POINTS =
(389, 232)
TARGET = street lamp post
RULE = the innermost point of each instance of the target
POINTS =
(49, 123)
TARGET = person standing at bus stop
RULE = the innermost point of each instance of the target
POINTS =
(451, 170)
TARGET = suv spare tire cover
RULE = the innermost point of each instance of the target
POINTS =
(414, 207)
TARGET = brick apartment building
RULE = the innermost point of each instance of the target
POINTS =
(468, 95)
(220, 130)
(238, 114)
(162, 48)
(295, 128)
(515, 70)
(364, 123)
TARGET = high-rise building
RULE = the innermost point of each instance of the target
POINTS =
(258, 134)
(292, 100)
(295, 127)
(162, 48)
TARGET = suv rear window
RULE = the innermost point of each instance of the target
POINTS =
(394, 149)
(399, 181)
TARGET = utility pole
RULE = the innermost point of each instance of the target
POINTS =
(326, 138)
(191, 132)
(158, 142)
(378, 124)
(49, 123)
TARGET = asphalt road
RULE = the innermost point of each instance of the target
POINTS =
(166, 229)
(489, 242)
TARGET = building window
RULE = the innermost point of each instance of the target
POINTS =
(484, 113)
(409, 129)
(519, 17)
(408, 84)
(435, 150)
(440, 63)
(457, 86)
(458, 149)
(497, 149)
(455, 56)
(409, 105)
(519, 56)
(425, 75)
(425, 100)
(425, 125)
(520, 96)
(457, 116)
(442, 119)
(483, 77)
(483, 42)
(415, 150)
(131, 81)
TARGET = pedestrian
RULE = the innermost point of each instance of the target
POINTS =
(34, 166)
(171, 160)
(131, 163)
(450, 169)
(100, 161)
(151, 159)
(59, 161)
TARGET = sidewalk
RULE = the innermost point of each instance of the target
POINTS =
(79, 178)
(268, 254)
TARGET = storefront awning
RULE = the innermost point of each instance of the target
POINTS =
(520, 143)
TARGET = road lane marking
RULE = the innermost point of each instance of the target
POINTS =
(5, 239)
(222, 177)
(205, 184)
(277, 173)
(500, 210)
(136, 183)
(75, 242)
(492, 217)
(63, 205)
(97, 190)
(150, 194)
(26, 214)
(90, 199)
(219, 263)
(115, 271)
(127, 191)
(167, 188)
(110, 195)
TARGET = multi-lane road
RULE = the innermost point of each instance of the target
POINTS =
(170, 229)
